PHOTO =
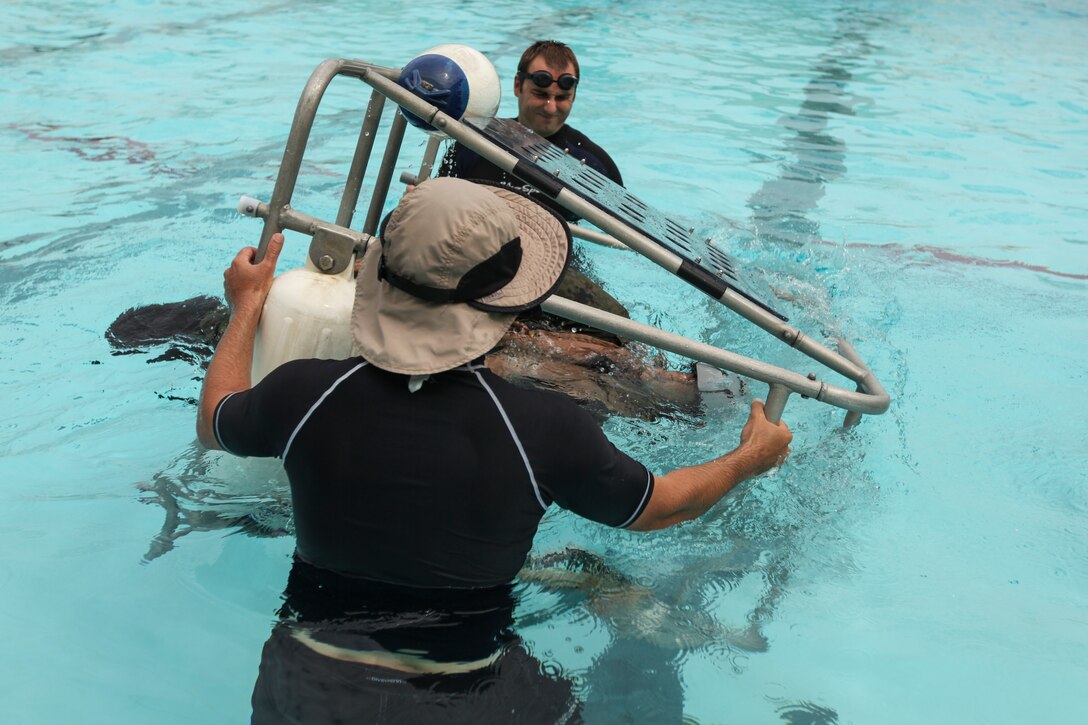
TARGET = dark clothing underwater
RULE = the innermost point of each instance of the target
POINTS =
(333, 658)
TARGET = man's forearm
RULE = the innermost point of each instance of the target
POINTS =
(687, 493)
(246, 283)
(229, 370)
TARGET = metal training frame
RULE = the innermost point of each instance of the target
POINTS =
(633, 226)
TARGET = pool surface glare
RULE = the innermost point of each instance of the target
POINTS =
(913, 178)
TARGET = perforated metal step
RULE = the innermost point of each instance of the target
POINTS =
(617, 202)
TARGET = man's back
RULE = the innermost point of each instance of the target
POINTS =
(443, 486)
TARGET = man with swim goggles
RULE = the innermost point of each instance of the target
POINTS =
(545, 86)
(545, 102)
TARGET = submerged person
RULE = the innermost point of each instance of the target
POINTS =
(598, 374)
(419, 477)
(651, 630)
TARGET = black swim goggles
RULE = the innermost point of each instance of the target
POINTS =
(543, 79)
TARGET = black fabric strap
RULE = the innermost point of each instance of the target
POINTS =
(488, 276)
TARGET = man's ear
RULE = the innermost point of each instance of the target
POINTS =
(517, 86)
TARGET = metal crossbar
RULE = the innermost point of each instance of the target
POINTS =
(625, 220)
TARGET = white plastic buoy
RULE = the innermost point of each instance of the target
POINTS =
(307, 315)
(459, 80)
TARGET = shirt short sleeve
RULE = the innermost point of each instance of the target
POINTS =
(239, 428)
(593, 478)
(259, 421)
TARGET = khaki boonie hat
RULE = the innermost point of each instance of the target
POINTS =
(456, 262)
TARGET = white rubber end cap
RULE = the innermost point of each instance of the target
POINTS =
(247, 206)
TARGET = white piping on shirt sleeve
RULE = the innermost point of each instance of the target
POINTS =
(514, 435)
(315, 406)
(641, 504)
(215, 423)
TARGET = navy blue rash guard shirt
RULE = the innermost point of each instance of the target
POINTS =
(443, 487)
(464, 163)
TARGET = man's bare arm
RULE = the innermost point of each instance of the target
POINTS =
(687, 493)
(246, 286)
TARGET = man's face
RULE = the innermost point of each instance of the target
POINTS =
(543, 110)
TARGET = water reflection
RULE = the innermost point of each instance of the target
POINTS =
(202, 491)
(815, 157)
(652, 629)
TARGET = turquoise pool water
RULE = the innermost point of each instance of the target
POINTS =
(912, 177)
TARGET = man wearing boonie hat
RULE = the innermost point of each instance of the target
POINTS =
(413, 465)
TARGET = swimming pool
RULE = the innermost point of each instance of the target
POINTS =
(913, 178)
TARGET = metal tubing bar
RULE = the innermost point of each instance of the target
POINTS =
(592, 235)
(869, 383)
(359, 162)
(833, 395)
(296, 221)
(870, 397)
(681, 345)
(299, 222)
(361, 69)
(447, 124)
(429, 155)
(852, 418)
(735, 302)
(296, 146)
(842, 365)
(776, 402)
(385, 173)
(620, 231)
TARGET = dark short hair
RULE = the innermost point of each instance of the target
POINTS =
(555, 54)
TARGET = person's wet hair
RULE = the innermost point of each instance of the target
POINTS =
(555, 54)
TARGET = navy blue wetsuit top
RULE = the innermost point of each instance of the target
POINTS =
(443, 487)
(464, 163)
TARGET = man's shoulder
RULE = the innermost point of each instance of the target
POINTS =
(311, 371)
(547, 409)
(569, 132)
(289, 389)
(312, 364)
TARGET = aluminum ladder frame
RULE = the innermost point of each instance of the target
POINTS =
(334, 243)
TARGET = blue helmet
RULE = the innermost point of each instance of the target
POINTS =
(438, 80)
